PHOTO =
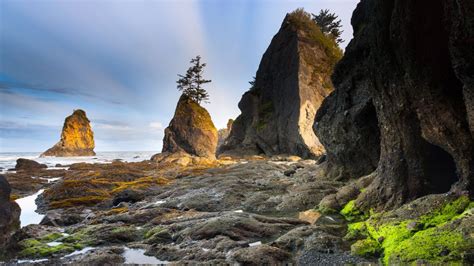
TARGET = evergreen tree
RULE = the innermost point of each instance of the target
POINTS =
(329, 24)
(191, 83)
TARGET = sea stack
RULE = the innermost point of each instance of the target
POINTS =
(403, 102)
(291, 82)
(77, 138)
(191, 131)
(9, 215)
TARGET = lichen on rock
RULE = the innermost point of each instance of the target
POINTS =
(77, 138)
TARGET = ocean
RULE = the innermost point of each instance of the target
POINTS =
(8, 159)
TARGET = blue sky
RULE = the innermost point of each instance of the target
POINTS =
(119, 59)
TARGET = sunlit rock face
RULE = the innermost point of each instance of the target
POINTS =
(77, 138)
(403, 101)
(9, 215)
(191, 131)
(292, 80)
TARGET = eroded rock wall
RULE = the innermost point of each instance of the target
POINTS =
(403, 98)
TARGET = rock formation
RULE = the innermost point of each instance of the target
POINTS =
(292, 80)
(9, 215)
(191, 131)
(403, 101)
(25, 164)
(77, 138)
(223, 133)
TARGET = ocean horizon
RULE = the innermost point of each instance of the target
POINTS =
(8, 159)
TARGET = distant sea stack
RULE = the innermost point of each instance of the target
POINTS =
(223, 133)
(9, 216)
(403, 102)
(291, 82)
(77, 138)
(191, 131)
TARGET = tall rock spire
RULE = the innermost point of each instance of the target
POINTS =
(77, 138)
(292, 80)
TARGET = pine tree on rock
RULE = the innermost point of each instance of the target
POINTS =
(191, 83)
(329, 24)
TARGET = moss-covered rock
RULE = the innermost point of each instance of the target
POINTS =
(433, 229)
(366, 248)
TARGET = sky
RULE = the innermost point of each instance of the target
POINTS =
(118, 60)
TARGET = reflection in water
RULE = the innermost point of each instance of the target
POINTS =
(137, 256)
(28, 210)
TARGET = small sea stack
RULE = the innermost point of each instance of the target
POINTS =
(77, 138)
(191, 131)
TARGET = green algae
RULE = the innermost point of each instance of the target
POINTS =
(356, 231)
(446, 213)
(429, 238)
(33, 248)
(434, 245)
(351, 213)
(366, 248)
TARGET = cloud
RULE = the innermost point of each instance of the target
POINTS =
(156, 125)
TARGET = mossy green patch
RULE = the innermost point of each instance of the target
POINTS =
(351, 213)
(446, 212)
(366, 248)
(34, 248)
(356, 231)
(435, 237)
(434, 245)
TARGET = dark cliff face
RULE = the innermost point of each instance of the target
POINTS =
(77, 138)
(191, 130)
(292, 80)
(9, 216)
(403, 101)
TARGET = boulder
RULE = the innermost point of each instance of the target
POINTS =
(9, 215)
(77, 138)
(403, 101)
(191, 131)
(25, 164)
(291, 82)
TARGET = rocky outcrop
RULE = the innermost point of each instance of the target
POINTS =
(9, 216)
(291, 82)
(403, 101)
(191, 131)
(223, 133)
(77, 138)
(28, 165)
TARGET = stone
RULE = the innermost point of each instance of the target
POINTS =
(25, 164)
(260, 255)
(291, 82)
(191, 131)
(127, 195)
(403, 104)
(9, 216)
(310, 216)
(77, 138)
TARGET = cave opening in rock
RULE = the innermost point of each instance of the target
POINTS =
(440, 169)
